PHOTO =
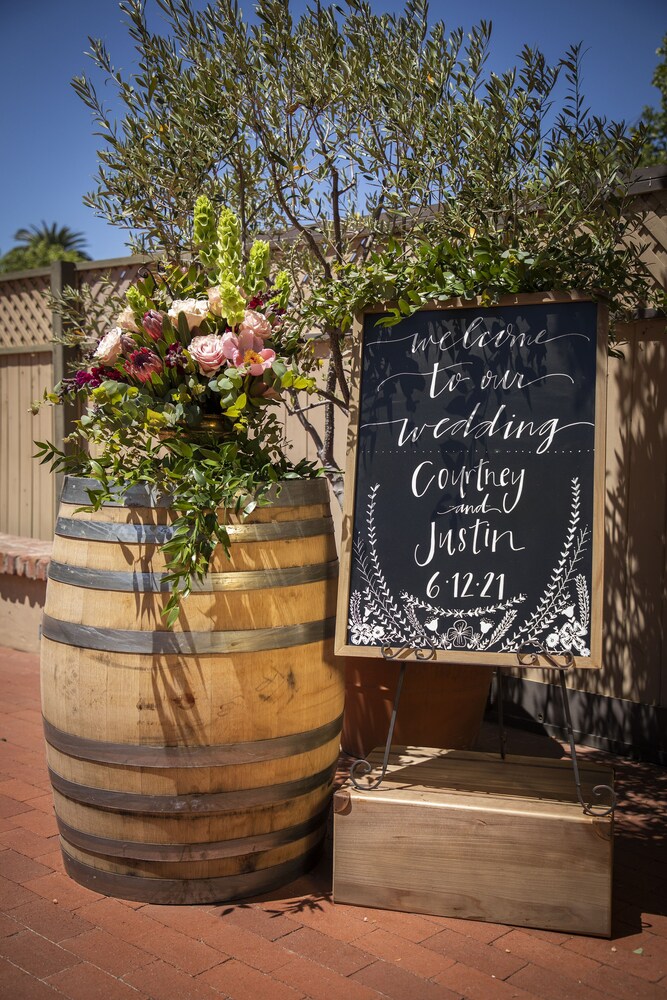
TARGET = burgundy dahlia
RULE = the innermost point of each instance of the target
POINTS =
(142, 363)
(84, 378)
(152, 324)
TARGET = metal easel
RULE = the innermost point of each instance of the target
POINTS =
(363, 767)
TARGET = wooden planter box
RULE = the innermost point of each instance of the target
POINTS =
(469, 835)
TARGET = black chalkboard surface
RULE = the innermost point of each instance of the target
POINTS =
(474, 499)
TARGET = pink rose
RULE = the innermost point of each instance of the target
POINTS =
(208, 352)
(256, 323)
(256, 362)
(109, 348)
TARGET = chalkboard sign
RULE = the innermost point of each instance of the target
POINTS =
(474, 495)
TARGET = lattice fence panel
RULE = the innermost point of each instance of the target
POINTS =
(25, 319)
(106, 281)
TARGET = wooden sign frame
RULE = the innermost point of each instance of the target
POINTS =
(463, 656)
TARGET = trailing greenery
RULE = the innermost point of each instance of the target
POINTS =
(379, 150)
(200, 477)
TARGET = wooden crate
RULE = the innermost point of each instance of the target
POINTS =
(469, 835)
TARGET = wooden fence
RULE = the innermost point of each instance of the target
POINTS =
(29, 363)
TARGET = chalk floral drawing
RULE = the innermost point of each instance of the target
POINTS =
(460, 634)
(560, 620)
(558, 600)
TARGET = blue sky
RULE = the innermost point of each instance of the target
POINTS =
(48, 158)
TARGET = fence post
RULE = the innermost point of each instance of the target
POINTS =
(63, 275)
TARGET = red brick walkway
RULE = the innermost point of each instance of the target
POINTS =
(59, 939)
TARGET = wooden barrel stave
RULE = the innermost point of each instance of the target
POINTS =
(143, 558)
(205, 700)
(187, 829)
(250, 860)
(249, 609)
(189, 891)
(217, 827)
(166, 515)
(191, 780)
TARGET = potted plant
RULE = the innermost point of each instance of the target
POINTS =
(191, 744)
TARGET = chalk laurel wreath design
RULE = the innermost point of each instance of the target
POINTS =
(560, 619)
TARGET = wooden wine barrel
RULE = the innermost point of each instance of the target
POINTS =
(192, 765)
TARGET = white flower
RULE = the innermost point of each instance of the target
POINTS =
(194, 310)
(365, 634)
(109, 347)
(127, 321)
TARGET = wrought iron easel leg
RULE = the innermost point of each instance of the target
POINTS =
(501, 712)
(590, 809)
(363, 767)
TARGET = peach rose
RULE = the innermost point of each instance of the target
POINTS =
(126, 320)
(194, 310)
(214, 300)
(208, 352)
(110, 346)
(256, 323)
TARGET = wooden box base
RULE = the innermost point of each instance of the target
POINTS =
(469, 835)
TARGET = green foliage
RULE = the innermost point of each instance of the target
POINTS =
(41, 245)
(36, 255)
(138, 300)
(200, 478)
(86, 312)
(229, 246)
(53, 235)
(282, 287)
(233, 303)
(204, 231)
(654, 152)
(257, 268)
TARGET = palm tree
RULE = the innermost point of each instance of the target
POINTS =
(40, 246)
(52, 236)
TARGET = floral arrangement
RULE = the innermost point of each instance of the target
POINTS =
(180, 392)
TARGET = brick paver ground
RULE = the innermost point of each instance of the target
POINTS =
(58, 939)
